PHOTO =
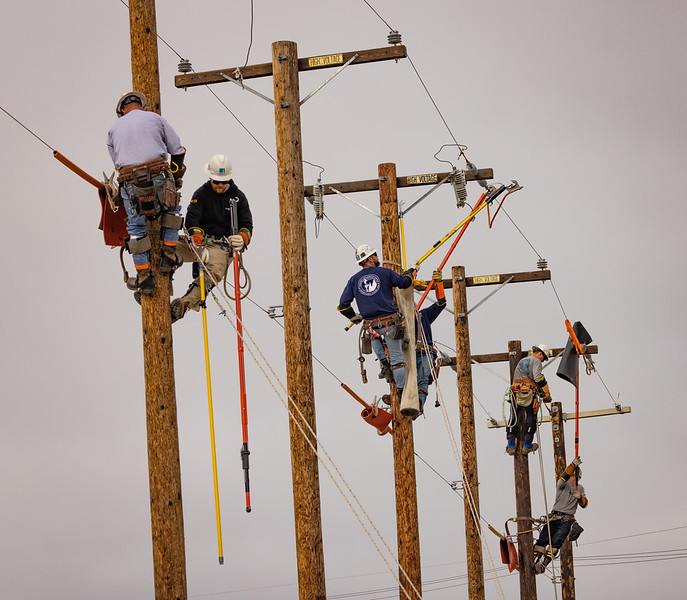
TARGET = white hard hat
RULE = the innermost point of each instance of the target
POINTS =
(219, 168)
(362, 253)
(129, 98)
(543, 348)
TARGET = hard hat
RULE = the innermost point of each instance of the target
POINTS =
(128, 98)
(542, 348)
(362, 253)
(219, 168)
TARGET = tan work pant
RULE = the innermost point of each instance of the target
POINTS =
(216, 266)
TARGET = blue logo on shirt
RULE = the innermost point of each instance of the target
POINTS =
(368, 285)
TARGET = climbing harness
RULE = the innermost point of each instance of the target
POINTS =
(245, 453)
(211, 414)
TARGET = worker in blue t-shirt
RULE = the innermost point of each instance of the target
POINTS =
(372, 290)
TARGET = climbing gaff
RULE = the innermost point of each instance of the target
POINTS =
(245, 453)
(378, 418)
(210, 412)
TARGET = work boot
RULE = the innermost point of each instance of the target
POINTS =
(169, 261)
(539, 567)
(178, 308)
(531, 448)
(386, 399)
(145, 282)
(510, 450)
(385, 372)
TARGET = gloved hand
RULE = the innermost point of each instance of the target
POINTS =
(198, 235)
(577, 494)
(236, 242)
(356, 319)
(577, 461)
(437, 276)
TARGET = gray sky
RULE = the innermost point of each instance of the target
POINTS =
(581, 102)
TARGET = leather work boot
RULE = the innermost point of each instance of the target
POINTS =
(146, 283)
(385, 372)
(169, 261)
(532, 448)
(510, 450)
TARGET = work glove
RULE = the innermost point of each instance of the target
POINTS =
(356, 319)
(236, 242)
(437, 276)
(577, 461)
(577, 494)
(198, 235)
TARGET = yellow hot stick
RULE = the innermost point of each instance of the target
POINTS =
(210, 411)
(439, 243)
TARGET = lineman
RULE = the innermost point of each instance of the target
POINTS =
(372, 290)
(568, 497)
(209, 222)
(139, 142)
(529, 384)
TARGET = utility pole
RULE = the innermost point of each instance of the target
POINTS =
(473, 537)
(284, 68)
(558, 433)
(166, 515)
(523, 502)
(304, 466)
(407, 526)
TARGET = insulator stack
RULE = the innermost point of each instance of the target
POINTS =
(185, 66)
(458, 182)
(542, 264)
(394, 37)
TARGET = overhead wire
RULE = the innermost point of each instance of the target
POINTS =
(40, 139)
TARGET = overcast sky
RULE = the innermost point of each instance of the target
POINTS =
(583, 103)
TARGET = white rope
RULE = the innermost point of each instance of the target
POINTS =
(546, 508)
(456, 452)
(312, 433)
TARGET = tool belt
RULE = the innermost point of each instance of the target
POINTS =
(556, 515)
(143, 172)
(386, 322)
(524, 392)
(150, 198)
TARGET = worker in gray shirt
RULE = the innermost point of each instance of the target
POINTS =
(139, 142)
(569, 495)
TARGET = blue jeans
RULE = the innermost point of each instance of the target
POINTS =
(136, 224)
(395, 348)
(424, 370)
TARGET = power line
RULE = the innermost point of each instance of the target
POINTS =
(27, 129)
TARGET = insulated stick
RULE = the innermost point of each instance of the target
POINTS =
(579, 350)
(210, 411)
(242, 369)
(479, 206)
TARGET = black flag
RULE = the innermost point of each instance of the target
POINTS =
(568, 367)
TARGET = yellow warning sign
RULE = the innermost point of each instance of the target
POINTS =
(482, 279)
(420, 179)
(323, 61)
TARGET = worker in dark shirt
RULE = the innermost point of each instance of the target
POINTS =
(210, 226)
(372, 290)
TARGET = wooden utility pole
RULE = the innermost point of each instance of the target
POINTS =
(284, 68)
(304, 466)
(523, 502)
(558, 433)
(473, 538)
(408, 532)
(166, 515)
